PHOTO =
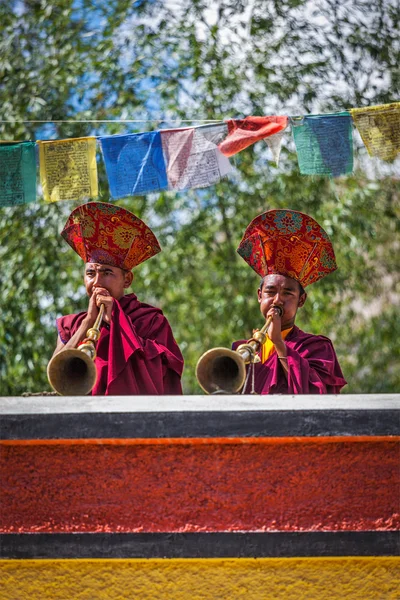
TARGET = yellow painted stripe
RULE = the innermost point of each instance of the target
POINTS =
(350, 578)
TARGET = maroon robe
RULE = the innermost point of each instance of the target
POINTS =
(136, 353)
(313, 367)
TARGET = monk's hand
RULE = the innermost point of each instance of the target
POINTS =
(274, 330)
(103, 296)
(92, 312)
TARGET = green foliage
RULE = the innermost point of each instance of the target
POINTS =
(37, 282)
(82, 60)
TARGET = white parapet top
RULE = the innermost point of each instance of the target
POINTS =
(219, 403)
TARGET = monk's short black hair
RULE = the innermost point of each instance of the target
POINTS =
(302, 290)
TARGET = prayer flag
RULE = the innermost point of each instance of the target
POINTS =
(192, 156)
(215, 132)
(245, 132)
(134, 163)
(379, 127)
(275, 144)
(324, 144)
(17, 173)
(68, 169)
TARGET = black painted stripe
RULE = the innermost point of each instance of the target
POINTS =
(285, 423)
(200, 545)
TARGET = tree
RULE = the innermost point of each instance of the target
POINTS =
(63, 60)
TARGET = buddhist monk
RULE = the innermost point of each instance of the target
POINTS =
(290, 251)
(136, 351)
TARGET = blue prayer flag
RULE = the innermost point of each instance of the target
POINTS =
(134, 163)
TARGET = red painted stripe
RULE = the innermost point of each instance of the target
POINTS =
(272, 484)
(201, 441)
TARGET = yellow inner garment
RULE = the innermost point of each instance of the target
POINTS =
(268, 348)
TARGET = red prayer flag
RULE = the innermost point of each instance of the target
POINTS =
(245, 132)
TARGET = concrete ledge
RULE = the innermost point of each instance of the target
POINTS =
(123, 404)
(198, 416)
(206, 478)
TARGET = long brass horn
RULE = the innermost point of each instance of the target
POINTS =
(221, 370)
(72, 372)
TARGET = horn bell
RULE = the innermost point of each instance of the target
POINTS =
(71, 373)
(221, 370)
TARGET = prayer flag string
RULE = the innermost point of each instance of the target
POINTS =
(188, 157)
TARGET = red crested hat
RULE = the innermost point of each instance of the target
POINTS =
(288, 243)
(108, 234)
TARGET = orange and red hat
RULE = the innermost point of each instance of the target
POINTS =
(107, 234)
(288, 243)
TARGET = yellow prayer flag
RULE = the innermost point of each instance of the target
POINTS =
(68, 169)
(379, 127)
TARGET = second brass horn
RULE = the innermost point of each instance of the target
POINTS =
(72, 372)
(221, 370)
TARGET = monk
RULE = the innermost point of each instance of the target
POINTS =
(136, 351)
(290, 251)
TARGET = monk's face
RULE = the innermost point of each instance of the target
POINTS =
(284, 292)
(113, 279)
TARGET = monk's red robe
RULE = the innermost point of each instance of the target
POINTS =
(313, 367)
(136, 353)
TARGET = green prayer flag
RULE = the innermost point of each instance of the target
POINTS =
(324, 144)
(17, 173)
